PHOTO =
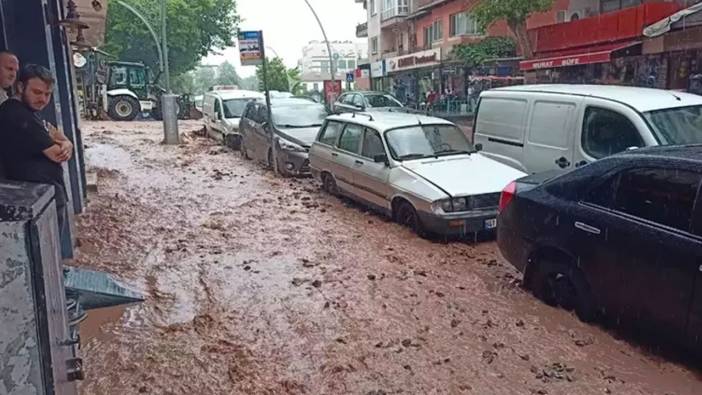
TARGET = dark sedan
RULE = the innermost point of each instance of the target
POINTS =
(621, 238)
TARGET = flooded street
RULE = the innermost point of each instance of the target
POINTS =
(262, 285)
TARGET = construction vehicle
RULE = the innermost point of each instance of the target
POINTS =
(122, 90)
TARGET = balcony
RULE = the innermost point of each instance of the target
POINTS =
(362, 30)
(421, 4)
(397, 11)
(604, 29)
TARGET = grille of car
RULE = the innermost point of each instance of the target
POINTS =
(305, 168)
(489, 200)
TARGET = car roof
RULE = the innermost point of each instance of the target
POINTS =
(641, 99)
(369, 93)
(237, 94)
(293, 101)
(386, 120)
(687, 153)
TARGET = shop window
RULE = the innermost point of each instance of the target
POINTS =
(463, 24)
(608, 132)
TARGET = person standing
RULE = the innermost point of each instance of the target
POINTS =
(31, 149)
(9, 65)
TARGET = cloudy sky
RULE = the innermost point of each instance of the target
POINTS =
(288, 25)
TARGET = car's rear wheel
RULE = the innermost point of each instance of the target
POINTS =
(269, 160)
(406, 215)
(329, 184)
(564, 285)
(232, 141)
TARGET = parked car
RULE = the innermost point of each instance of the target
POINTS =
(535, 128)
(285, 141)
(222, 112)
(419, 170)
(363, 101)
(621, 236)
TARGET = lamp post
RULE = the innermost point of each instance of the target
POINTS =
(150, 28)
(332, 66)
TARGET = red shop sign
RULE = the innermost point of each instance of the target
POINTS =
(565, 61)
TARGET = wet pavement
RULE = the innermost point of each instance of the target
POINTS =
(261, 285)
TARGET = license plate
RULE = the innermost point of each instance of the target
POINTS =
(491, 223)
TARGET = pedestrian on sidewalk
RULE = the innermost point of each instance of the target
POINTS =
(31, 149)
(9, 65)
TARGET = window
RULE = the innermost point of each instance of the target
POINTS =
(382, 101)
(677, 126)
(351, 138)
(324, 67)
(315, 86)
(663, 196)
(218, 108)
(424, 141)
(262, 114)
(118, 76)
(358, 101)
(433, 33)
(373, 8)
(306, 115)
(372, 144)
(608, 132)
(136, 77)
(615, 5)
(248, 112)
(341, 65)
(348, 99)
(235, 107)
(374, 45)
(352, 64)
(464, 24)
(331, 133)
(549, 124)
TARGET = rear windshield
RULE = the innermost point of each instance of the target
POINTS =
(235, 108)
(299, 116)
(382, 101)
(677, 126)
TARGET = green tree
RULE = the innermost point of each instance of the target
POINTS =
(295, 81)
(515, 13)
(184, 84)
(227, 75)
(249, 83)
(205, 77)
(475, 54)
(195, 27)
(277, 75)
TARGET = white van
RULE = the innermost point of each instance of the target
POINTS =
(535, 128)
(222, 112)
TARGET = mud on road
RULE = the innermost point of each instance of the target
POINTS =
(261, 285)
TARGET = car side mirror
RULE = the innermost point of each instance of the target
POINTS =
(478, 147)
(380, 158)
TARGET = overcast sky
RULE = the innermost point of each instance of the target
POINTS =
(288, 25)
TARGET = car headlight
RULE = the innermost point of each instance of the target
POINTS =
(290, 146)
(450, 205)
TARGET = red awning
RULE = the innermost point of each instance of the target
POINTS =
(596, 55)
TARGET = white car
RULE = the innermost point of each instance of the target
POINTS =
(421, 171)
(535, 128)
(222, 110)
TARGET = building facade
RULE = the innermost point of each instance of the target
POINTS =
(315, 65)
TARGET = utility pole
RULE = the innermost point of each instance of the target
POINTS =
(169, 101)
(164, 37)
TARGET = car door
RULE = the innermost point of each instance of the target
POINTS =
(262, 134)
(550, 134)
(656, 260)
(219, 118)
(246, 125)
(323, 154)
(608, 128)
(371, 177)
(694, 327)
(347, 156)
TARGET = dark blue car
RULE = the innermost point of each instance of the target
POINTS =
(621, 237)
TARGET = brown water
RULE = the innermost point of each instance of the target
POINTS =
(261, 285)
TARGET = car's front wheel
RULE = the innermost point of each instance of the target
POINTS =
(329, 184)
(242, 149)
(406, 215)
(564, 285)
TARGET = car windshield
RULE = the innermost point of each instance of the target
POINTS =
(299, 116)
(677, 126)
(382, 101)
(423, 141)
(235, 108)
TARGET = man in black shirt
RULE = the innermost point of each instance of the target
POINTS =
(31, 149)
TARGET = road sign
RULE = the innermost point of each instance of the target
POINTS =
(251, 48)
(350, 77)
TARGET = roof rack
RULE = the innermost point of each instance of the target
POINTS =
(370, 117)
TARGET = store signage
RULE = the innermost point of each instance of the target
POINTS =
(332, 90)
(429, 57)
(565, 61)
(377, 69)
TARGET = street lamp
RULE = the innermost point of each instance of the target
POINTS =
(332, 67)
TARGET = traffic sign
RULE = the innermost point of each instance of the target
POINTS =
(350, 77)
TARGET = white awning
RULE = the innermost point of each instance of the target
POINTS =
(664, 25)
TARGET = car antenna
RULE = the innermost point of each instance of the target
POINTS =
(676, 97)
(419, 121)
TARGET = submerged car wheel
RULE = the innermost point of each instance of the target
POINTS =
(563, 285)
(329, 184)
(269, 160)
(407, 216)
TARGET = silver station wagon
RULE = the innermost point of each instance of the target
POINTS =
(421, 171)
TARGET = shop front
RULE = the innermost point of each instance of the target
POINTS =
(378, 74)
(681, 51)
(413, 76)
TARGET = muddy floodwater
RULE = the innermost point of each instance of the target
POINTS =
(261, 285)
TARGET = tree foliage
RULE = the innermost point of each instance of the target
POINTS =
(227, 75)
(277, 75)
(249, 83)
(195, 27)
(475, 54)
(514, 13)
(295, 81)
